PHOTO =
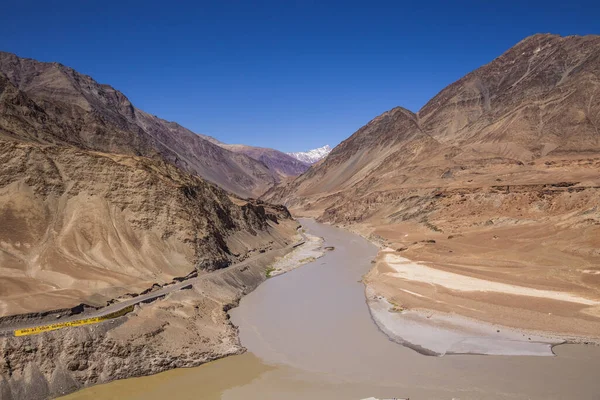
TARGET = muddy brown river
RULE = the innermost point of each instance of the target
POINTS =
(309, 335)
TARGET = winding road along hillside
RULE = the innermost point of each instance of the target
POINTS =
(104, 314)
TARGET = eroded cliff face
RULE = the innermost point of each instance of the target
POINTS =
(79, 225)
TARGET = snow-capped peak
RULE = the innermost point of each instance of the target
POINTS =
(312, 156)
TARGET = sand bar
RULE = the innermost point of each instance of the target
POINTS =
(413, 271)
(439, 334)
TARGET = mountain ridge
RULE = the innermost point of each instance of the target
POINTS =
(281, 163)
(495, 178)
(92, 208)
(470, 113)
(100, 117)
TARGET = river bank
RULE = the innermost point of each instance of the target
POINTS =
(438, 307)
(437, 334)
(186, 328)
(309, 334)
(424, 308)
(311, 250)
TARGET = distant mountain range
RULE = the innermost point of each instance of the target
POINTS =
(282, 164)
(312, 156)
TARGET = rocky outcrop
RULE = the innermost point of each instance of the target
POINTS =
(98, 199)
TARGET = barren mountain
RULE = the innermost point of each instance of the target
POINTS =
(500, 170)
(281, 165)
(101, 202)
(284, 165)
(97, 117)
(90, 210)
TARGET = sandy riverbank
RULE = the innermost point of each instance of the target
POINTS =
(456, 292)
(310, 251)
(438, 334)
(437, 312)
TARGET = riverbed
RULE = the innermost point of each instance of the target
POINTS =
(310, 335)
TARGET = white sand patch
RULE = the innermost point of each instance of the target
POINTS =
(412, 271)
(591, 271)
(308, 252)
(440, 334)
(413, 293)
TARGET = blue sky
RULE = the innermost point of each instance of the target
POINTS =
(292, 75)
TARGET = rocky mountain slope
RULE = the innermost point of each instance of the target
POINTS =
(495, 177)
(97, 117)
(537, 101)
(100, 202)
(93, 206)
(312, 156)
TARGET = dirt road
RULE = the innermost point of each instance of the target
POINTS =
(24, 327)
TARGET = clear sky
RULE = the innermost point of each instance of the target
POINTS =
(292, 75)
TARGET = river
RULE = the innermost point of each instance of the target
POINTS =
(309, 335)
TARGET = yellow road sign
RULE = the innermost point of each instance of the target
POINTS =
(59, 325)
